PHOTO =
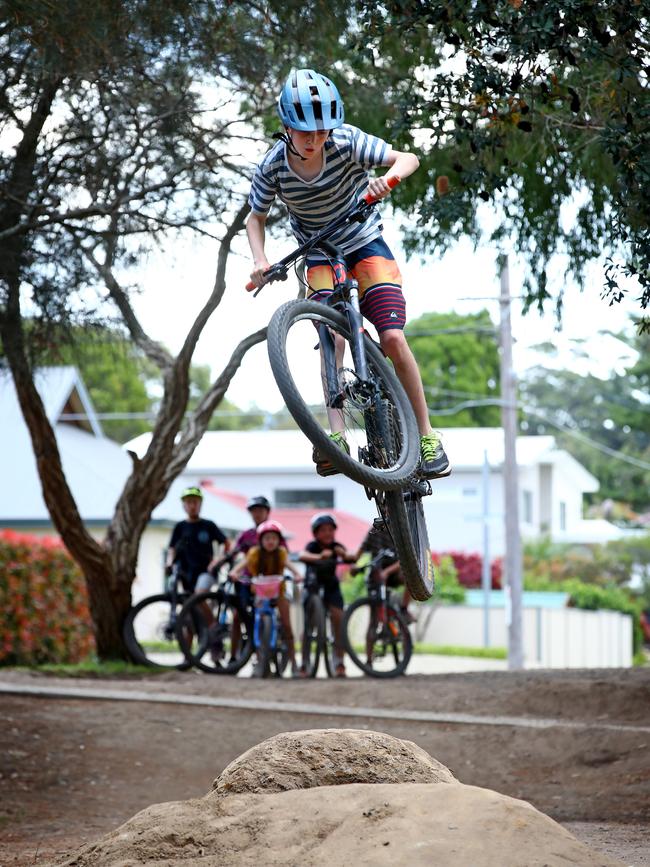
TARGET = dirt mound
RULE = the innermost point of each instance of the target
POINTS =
(328, 757)
(271, 807)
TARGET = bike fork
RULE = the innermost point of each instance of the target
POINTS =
(356, 330)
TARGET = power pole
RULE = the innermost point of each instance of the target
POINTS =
(513, 558)
(486, 574)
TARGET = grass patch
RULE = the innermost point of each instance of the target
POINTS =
(90, 668)
(160, 646)
(450, 650)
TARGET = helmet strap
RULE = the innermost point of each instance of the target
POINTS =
(286, 138)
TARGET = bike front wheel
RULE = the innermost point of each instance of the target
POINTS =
(149, 632)
(213, 634)
(377, 638)
(376, 415)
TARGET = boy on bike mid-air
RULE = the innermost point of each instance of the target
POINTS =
(192, 544)
(270, 558)
(319, 169)
(322, 555)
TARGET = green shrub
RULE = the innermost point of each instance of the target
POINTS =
(44, 615)
(448, 588)
(613, 563)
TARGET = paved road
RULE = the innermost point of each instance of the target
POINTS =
(421, 663)
(310, 709)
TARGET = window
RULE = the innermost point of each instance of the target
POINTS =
(562, 516)
(311, 498)
(528, 507)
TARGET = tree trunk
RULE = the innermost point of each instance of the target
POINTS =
(105, 597)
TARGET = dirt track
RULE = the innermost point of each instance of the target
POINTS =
(73, 769)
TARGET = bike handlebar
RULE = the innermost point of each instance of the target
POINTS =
(363, 203)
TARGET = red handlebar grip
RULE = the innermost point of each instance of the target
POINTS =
(250, 286)
(392, 182)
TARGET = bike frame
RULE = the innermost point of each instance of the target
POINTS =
(265, 607)
(345, 295)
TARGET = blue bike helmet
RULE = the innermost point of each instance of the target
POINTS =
(309, 101)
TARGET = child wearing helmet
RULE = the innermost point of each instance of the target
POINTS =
(319, 168)
(259, 509)
(192, 544)
(269, 557)
(322, 555)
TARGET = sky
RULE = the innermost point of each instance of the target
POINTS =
(176, 282)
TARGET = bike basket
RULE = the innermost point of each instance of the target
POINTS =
(267, 586)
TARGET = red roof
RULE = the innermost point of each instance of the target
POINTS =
(351, 529)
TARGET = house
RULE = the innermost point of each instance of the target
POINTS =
(277, 464)
(96, 469)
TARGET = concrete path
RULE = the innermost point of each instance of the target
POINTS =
(71, 692)
(421, 663)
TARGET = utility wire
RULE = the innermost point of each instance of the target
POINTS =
(621, 456)
(617, 455)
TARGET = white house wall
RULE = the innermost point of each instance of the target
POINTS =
(565, 491)
(553, 637)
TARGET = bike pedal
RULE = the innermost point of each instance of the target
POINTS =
(326, 470)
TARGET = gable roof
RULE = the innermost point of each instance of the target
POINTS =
(297, 522)
(95, 467)
(62, 391)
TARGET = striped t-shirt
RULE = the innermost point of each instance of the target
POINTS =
(348, 154)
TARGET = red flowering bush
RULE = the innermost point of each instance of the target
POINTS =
(469, 568)
(44, 613)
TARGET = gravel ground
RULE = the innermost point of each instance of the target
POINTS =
(70, 770)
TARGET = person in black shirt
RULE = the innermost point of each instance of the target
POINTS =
(379, 539)
(322, 555)
(192, 544)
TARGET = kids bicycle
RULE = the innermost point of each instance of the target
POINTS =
(348, 373)
(213, 647)
(376, 634)
(269, 640)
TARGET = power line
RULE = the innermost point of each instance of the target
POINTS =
(618, 455)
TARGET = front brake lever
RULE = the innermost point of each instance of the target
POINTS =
(280, 274)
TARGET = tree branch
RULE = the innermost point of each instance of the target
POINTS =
(219, 284)
(153, 350)
(197, 422)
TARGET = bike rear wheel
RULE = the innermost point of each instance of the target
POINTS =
(313, 638)
(204, 631)
(373, 460)
(408, 529)
(149, 632)
(380, 649)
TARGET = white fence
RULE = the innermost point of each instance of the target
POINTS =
(553, 637)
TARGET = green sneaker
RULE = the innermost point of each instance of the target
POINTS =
(324, 466)
(434, 463)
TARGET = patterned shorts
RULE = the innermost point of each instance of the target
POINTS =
(380, 284)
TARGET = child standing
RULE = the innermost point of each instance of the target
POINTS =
(269, 558)
(322, 555)
(320, 169)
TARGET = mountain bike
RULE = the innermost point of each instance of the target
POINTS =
(149, 628)
(374, 627)
(349, 373)
(317, 637)
(213, 647)
(269, 639)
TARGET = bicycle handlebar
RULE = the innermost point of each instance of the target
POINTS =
(361, 205)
